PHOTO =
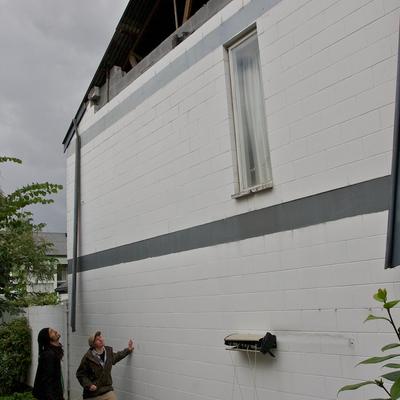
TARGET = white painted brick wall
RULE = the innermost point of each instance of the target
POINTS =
(328, 71)
(329, 76)
(312, 287)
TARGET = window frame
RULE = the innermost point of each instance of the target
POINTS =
(239, 190)
(61, 268)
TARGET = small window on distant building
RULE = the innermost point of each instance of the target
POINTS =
(61, 274)
(253, 159)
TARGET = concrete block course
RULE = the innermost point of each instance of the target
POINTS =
(179, 307)
(160, 158)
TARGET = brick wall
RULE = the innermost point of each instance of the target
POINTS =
(312, 287)
(329, 82)
(328, 70)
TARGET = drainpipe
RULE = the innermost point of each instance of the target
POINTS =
(77, 196)
(392, 256)
(67, 352)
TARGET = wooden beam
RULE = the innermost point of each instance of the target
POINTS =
(144, 26)
(176, 15)
(188, 10)
(129, 29)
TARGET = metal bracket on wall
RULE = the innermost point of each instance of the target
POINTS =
(252, 343)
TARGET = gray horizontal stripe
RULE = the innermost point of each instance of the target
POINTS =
(362, 198)
(218, 37)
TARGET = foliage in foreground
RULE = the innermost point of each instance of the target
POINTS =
(18, 396)
(23, 253)
(390, 381)
(15, 354)
(37, 299)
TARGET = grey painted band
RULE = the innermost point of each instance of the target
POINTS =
(218, 37)
(362, 198)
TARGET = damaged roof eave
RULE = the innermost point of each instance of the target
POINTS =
(104, 63)
(119, 46)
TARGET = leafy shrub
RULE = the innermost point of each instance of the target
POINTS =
(37, 299)
(15, 354)
(389, 382)
(24, 254)
(18, 396)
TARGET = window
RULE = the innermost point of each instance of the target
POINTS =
(252, 151)
(61, 274)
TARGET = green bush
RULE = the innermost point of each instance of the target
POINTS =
(37, 299)
(18, 396)
(15, 354)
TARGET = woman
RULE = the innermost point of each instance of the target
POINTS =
(48, 381)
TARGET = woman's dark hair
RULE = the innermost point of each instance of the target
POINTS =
(44, 343)
(43, 340)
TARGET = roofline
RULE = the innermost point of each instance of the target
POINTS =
(82, 107)
(78, 117)
(193, 23)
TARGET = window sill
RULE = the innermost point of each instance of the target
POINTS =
(252, 190)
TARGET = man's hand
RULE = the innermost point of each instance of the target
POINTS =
(131, 345)
(92, 388)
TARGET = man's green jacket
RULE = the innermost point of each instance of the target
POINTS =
(91, 372)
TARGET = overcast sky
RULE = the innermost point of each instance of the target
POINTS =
(50, 50)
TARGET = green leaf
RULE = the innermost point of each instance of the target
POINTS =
(391, 304)
(381, 295)
(392, 376)
(356, 386)
(22, 257)
(390, 346)
(372, 317)
(10, 159)
(395, 390)
(391, 365)
(375, 360)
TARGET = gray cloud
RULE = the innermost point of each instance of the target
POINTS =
(50, 50)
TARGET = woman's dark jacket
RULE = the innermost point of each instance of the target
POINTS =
(91, 372)
(48, 381)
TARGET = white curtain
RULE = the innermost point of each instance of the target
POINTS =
(250, 122)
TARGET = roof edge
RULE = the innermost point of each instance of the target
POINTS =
(214, 6)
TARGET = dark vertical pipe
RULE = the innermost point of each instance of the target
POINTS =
(392, 237)
(67, 354)
(77, 195)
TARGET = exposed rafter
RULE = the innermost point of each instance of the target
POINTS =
(188, 10)
(129, 29)
(145, 24)
(176, 15)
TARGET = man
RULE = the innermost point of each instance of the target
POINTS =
(48, 381)
(94, 372)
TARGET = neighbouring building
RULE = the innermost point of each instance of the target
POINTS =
(230, 168)
(59, 251)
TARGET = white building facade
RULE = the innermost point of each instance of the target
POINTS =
(241, 184)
